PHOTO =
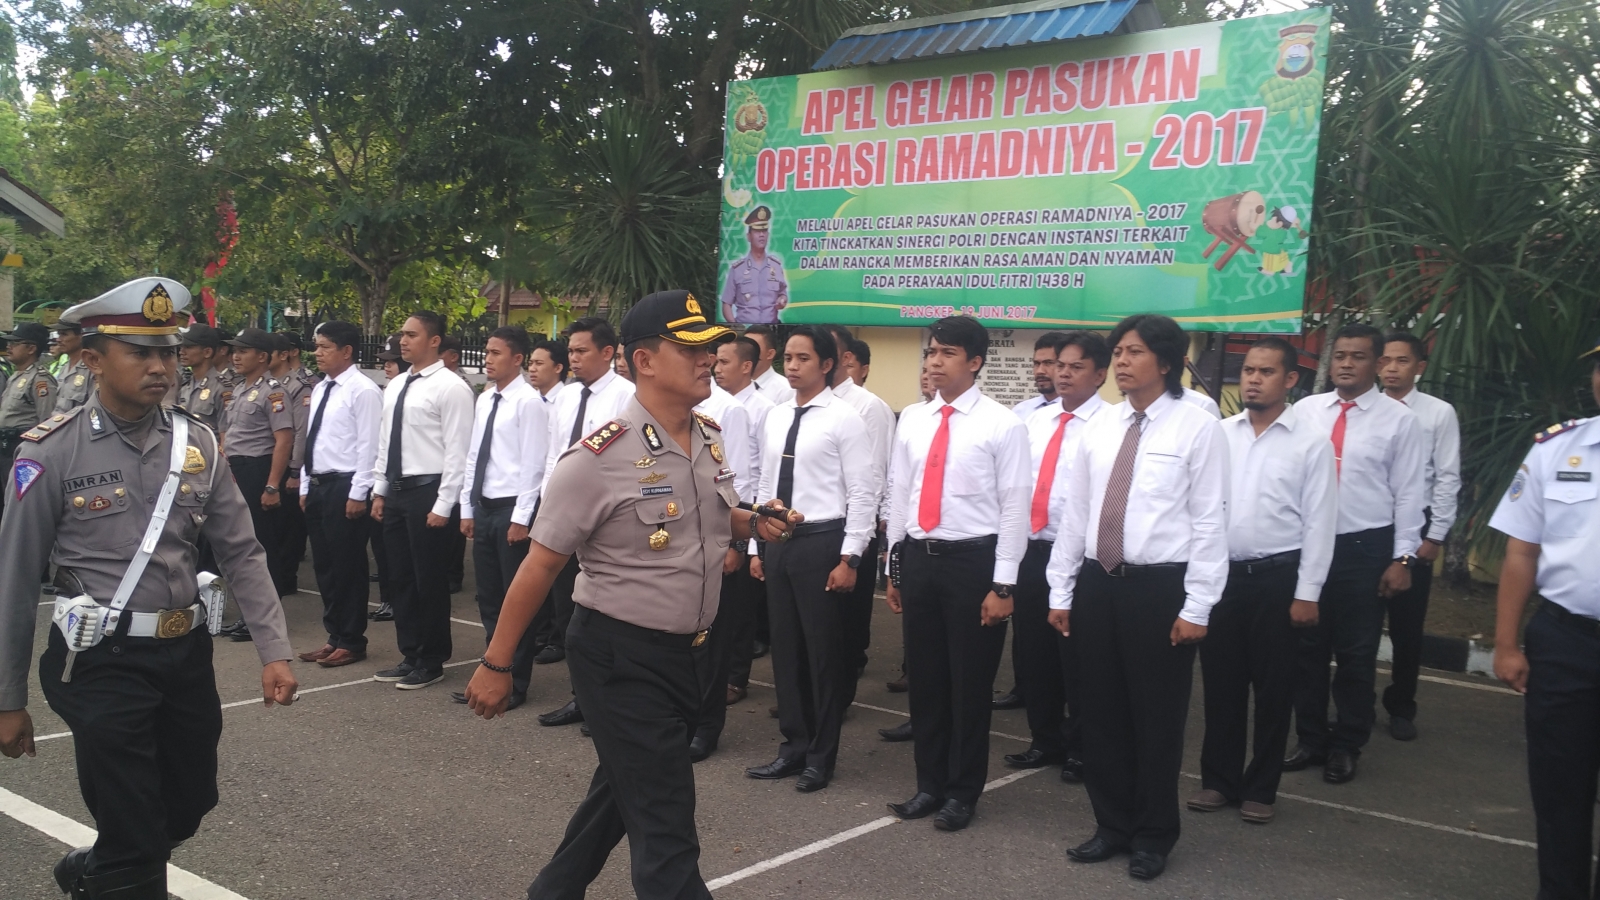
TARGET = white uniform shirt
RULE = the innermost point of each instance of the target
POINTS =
(1041, 428)
(516, 453)
(756, 406)
(832, 466)
(879, 419)
(1285, 496)
(608, 397)
(1554, 501)
(1204, 401)
(735, 421)
(1441, 432)
(986, 477)
(1380, 478)
(1177, 504)
(775, 386)
(1028, 407)
(555, 391)
(436, 427)
(347, 440)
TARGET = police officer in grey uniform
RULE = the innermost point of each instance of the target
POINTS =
(755, 290)
(258, 429)
(142, 703)
(76, 381)
(649, 507)
(30, 394)
(296, 381)
(204, 397)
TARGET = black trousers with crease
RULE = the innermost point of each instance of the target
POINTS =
(808, 649)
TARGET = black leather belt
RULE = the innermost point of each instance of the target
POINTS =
(496, 503)
(950, 548)
(599, 621)
(331, 478)
(1265, 563)
(824, 527)
(1127, 571)
(412, 482)
(1582, 624)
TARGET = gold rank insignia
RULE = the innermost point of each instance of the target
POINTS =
(157, 305)
(652, 439)
(659, 538)
(603, 437)
(193, 461)
(644, 462)
(652, 478)
(716, 452)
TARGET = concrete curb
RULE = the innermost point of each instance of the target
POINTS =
(1450, 654)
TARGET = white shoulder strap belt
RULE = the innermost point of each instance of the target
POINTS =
(158, 520)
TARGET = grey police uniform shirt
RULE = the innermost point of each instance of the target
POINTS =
(259, 410)
(626, 482)
(30, 398)
(81, 497)
(755, 290)
(204, 398)
(76, 384)
(297, 384)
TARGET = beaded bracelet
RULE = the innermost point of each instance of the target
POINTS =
(492, 667)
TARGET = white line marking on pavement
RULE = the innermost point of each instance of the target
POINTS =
(180, 882)
(1489, 686)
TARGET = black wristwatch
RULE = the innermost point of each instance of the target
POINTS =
(272, 489)
(1003, 591)
(853, 560)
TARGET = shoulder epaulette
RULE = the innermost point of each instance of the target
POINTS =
(707, 421)
(51, 425)
(1556, 429)
(603, 436)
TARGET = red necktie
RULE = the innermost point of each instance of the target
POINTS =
(1047, 476)
(1338, 436)
(933, 474)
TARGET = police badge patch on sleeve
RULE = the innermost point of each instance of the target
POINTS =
(24, 475)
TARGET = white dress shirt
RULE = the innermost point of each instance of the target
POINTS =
(516, 452)
(555, 391)
(986, 477)
(1380, 478)
(1028, 407)
(1204, 401)
(1441, 432)
(608, 397)
(1177, 504)
(879, 419)
(1041, 428)
(1285, 496)
(832, 466)
(756, 406)
(735, 421)
(437, 425)
(775, 386)
(347, 440)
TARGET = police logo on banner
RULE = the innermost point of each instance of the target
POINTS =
(25, 474)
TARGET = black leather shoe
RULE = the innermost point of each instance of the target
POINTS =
(1095, 849)
(231, 627)
(952, 816)
(1146, 865)
(384, 613)
(1303, 757)
(515, 700)
(142, 882)
(759, 649)
(1034, 759)
(917, 807)
(812, 779)
(1340, 767)
(1402, 728)
(583, 729)
(700, 748)
(1072, 771)
(458, 697)
(240, 634)
(778, 768)
(550, 654)
(1009, 700)
(896, 734)
(566, 715)
(70, 867)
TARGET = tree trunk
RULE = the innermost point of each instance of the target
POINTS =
(1325, 358)
(1457, 551)
(374, 298)
(505, 301)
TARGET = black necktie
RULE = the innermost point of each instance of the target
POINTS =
(786, 468)
(577, 424)
(316, 426)
(393, 471)
(482, 468)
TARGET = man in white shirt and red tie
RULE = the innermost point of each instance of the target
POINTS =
(1405, 357)
(744, 614)
(958, 529)
(1281, 520)
(1140, 560)
(1043, 660)
(1378, 453)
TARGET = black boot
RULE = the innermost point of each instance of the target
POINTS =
(69, 871)
(146, 882)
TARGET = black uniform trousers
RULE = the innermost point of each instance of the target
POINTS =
(250, 473)
(808, 649)
(748, 627)
(858, 617)
(640, 691)
(458, 558)
(550, 623)
(1408, 610)
(145, 720)
(733, 620)
(1135, 688)
(951, 658)
(1349, 629)
(1250, 645)
(339, 559)
(291, 548)
(1045, 663)
(494, 564)
(380, 561)
(1563, 726)
(419, 558)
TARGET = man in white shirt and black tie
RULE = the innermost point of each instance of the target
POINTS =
(335, 487)
(1281, 520)
(421, 464)
(1405, 358)
(1140, 560)
(1378, 456)
(744, 614)
(1043, 661)
(814, 457)
(1044, 375)
(958, 529)
(768, 379)
(505, 467)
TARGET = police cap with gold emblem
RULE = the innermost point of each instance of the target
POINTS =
(29, 333)
(674, 315)
(144, 311)
(759, 219)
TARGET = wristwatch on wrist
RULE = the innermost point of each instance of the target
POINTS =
(853, 560)
(272, 489)
(1408, 560)
(1001, 590)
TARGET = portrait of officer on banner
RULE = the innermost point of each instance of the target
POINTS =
(755, 291)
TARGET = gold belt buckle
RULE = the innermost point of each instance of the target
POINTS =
(699, 638)
(174, 623)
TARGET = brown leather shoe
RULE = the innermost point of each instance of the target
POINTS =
(1207, 801)
(1259, 813)
(341, 657)
(317, 655)
(735, 694)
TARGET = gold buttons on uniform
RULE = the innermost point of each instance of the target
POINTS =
(184, 488)
(122, 492)
(78, 502)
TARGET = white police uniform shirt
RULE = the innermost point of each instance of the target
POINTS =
(1041, 428)
(1380, 477)
(516, 452)
(555, 391)
(879, 419)
(1177, 503)
(756, 407)
(608, 397)
(1285, 496)
(775, 386)
(437, 425)
(1028, 407)
(347, 439)
(1441, 434)
(730, 414)
(1554, 501)
(832, 466)
(1204, 401)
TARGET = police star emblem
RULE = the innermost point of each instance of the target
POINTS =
(193, 461)
(692, 305)
(157, 305)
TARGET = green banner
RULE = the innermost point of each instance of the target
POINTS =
(1064, 184)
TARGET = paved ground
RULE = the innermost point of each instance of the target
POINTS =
(362, 791)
